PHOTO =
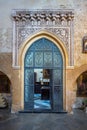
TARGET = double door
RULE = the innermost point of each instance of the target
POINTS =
(43, 77)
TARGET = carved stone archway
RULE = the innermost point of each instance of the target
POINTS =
(30, 25)
(23, 50)
(28, 22)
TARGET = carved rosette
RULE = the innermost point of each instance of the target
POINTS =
(26, 23)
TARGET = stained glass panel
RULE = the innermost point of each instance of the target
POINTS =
(39, 44)
(26, 94)
(47, 45)
(48, 59)
(29, 60)
(57, 60)
(38, 59)
(29, 80)
(57, 77)
(56, 98)
(55, 48)
(29, 76)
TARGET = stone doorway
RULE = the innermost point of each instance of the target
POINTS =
(45, 57)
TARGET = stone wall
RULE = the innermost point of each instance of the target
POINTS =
(5, 64)
(6, 39)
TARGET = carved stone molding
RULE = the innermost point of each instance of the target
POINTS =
(29, 22)
(42, 17)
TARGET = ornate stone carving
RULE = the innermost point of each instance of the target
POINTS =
(58, 22)
(44, 16)
(62, 33)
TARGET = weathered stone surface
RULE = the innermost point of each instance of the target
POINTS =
(5, 40)
(6, 63)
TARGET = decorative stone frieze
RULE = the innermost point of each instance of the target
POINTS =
(27, 23)
(43, 16)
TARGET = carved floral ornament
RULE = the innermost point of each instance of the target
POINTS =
(27, 23)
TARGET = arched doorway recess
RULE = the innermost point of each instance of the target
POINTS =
(82, 85)
(5, 91)
(43, 77)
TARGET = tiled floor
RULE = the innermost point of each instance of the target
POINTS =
(42, 104)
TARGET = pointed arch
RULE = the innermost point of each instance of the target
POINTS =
(25, 46)
(47, 35)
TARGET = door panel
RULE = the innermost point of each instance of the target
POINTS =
(29, 85)
(57, 90)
